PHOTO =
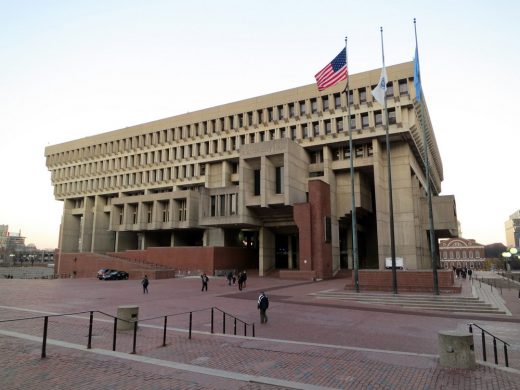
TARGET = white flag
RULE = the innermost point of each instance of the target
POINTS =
(379, 92)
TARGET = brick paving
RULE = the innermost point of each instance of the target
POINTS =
(306, 343)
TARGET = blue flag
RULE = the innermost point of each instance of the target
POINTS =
(417, 76)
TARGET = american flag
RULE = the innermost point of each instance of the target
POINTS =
(334, 72)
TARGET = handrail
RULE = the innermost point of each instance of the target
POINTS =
(495, 338)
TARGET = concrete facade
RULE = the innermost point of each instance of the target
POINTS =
(269, 173)
(512, 227)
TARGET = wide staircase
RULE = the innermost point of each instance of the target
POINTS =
(444, 303)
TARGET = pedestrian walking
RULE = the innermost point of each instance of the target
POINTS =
(244, 276)
(240, 281)
(263, 304)
(205, 281)
(470, 272)
(145, 284)
(229, 277)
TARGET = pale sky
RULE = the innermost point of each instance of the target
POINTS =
(71, 69)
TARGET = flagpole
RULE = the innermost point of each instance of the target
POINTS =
(355, 255)
(390, 191)
(433, 246)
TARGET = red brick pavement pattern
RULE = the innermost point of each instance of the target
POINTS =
(293, 316)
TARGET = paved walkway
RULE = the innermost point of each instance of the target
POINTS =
(307, 343)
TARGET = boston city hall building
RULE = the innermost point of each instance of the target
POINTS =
(261, 184)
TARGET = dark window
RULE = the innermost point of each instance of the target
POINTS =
(302, 108)
(390, 89)
(279, 180)
(213, 205)
(314, 106)
(364, 120)
(339, 124)
(391, 116)
(305, 131)
(328, 127)
(291, 110)
(231, 122)
(270, 114)
(328, 229)
(317, 157)
(403, 87)
(337, 100)
(378, 117)
(222, 208)
(293, 132)
(352, 121)
(234, 167)
(256, 173)
(362, 95)
(315, 129)
(325, 101)
(249, 118)
(280, 112)
(351, 97)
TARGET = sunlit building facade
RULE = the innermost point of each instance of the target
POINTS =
(270, 173)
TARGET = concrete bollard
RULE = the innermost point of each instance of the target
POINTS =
(126, 316)
(456, 349)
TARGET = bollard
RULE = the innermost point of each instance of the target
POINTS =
(128, 314)
(191, 314)
(164, 333)
(91, 321)
(44, 343)
(223, 323)
(114, 335)
(212, 321)
(456, 350)
(135, 338)
(235, 327)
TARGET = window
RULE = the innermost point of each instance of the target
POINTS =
(336, 154)
(149, 214)
(378, 117)
(339, 124)
(403, 87)
(222, 208)
(256, 190)
(302, 108)
(360, 151)
(213, 206)
(279, 180)
(328, 127)
(325, 102)
(351, 97)
(317, 157)
(352, 121)
(280, 112)
(315, 129)
(477, 254)
(305, 131)
(202, 169)
(337, 100)
(390, 89)
(293, 132)
(291, 110)
(362, 95)
(249, 118)
(165, 211)
(234, 167)
(314, 106)
(364, 120)
(233, 204)
(270, 114)
(391, 116)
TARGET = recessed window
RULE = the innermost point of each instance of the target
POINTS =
(351, 97)
(279, 180)
(403, 87)
(391, 116)
(325, 102)
(305, 131)
(314, 106)
(256, 179)
(364, 120)
(339, 125)
(315, 129)
(302, 108)
(280, 112)
(337, 100)
(390, 89)
(353, 121)
(378, 116)
(362, 95)
(328, 127)
(291, 110)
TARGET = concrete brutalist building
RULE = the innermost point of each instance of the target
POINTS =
(270, 174)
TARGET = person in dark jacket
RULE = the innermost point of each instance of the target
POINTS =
(263, 304)
(145, 284)
(205, 281)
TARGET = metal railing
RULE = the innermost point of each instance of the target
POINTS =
(495, 352)
(134, 337)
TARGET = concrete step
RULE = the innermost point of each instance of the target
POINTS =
(437, 303)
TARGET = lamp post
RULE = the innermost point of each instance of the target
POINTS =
(512, 252)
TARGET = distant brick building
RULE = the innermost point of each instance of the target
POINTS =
(460, 252)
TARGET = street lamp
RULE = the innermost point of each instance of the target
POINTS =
(512, 252)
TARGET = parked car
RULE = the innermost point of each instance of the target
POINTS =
(115, 275)
(104, 271)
